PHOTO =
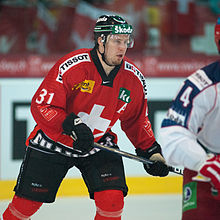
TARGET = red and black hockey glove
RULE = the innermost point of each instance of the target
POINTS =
(158, 168)
(211, 172)
(79, 132)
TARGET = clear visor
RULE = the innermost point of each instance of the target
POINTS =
(122, 39)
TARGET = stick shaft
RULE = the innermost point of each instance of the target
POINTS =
(134, 157)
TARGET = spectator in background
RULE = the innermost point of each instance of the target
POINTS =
(32, 26)
(16, 23)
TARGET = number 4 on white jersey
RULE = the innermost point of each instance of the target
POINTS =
(185, 96)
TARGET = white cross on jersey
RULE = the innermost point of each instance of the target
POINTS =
(95, 121)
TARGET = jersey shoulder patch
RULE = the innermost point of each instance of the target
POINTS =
(132, 68)
(206, 76)
(71, 62)
(200, 79)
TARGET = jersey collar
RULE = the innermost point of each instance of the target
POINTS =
(106, 80)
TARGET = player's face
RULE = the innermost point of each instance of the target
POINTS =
(115, 48)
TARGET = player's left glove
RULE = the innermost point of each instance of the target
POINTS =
(108, 140)
(158, 168)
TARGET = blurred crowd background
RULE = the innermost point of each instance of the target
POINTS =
(34, 33)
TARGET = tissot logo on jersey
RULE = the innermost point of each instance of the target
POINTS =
(138, 73)
(72, 61)
(85, 86)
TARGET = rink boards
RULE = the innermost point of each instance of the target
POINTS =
(16, 123)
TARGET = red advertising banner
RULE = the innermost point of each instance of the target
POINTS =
(172, 66)
(26, 66)
(38, 66)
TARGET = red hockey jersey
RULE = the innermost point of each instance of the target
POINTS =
(77, 83)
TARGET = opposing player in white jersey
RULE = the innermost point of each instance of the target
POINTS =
(78, 102)
(191, 138)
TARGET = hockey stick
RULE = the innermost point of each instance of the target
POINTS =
(134, 157)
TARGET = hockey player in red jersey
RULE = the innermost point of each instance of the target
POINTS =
(190, 138)
(78, 102)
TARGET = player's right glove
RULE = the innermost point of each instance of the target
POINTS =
(210, 171)
(158, 168)
(79, 132)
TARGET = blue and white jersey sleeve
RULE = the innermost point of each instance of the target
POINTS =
(193, 116)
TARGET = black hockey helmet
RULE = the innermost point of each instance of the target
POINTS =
(112, 24)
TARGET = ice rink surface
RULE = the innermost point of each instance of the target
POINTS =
(137, 207)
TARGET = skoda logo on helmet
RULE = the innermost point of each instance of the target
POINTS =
(122, 29)
(112, 24)
(106, 24)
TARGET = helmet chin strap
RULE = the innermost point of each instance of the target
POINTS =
(103, 56)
